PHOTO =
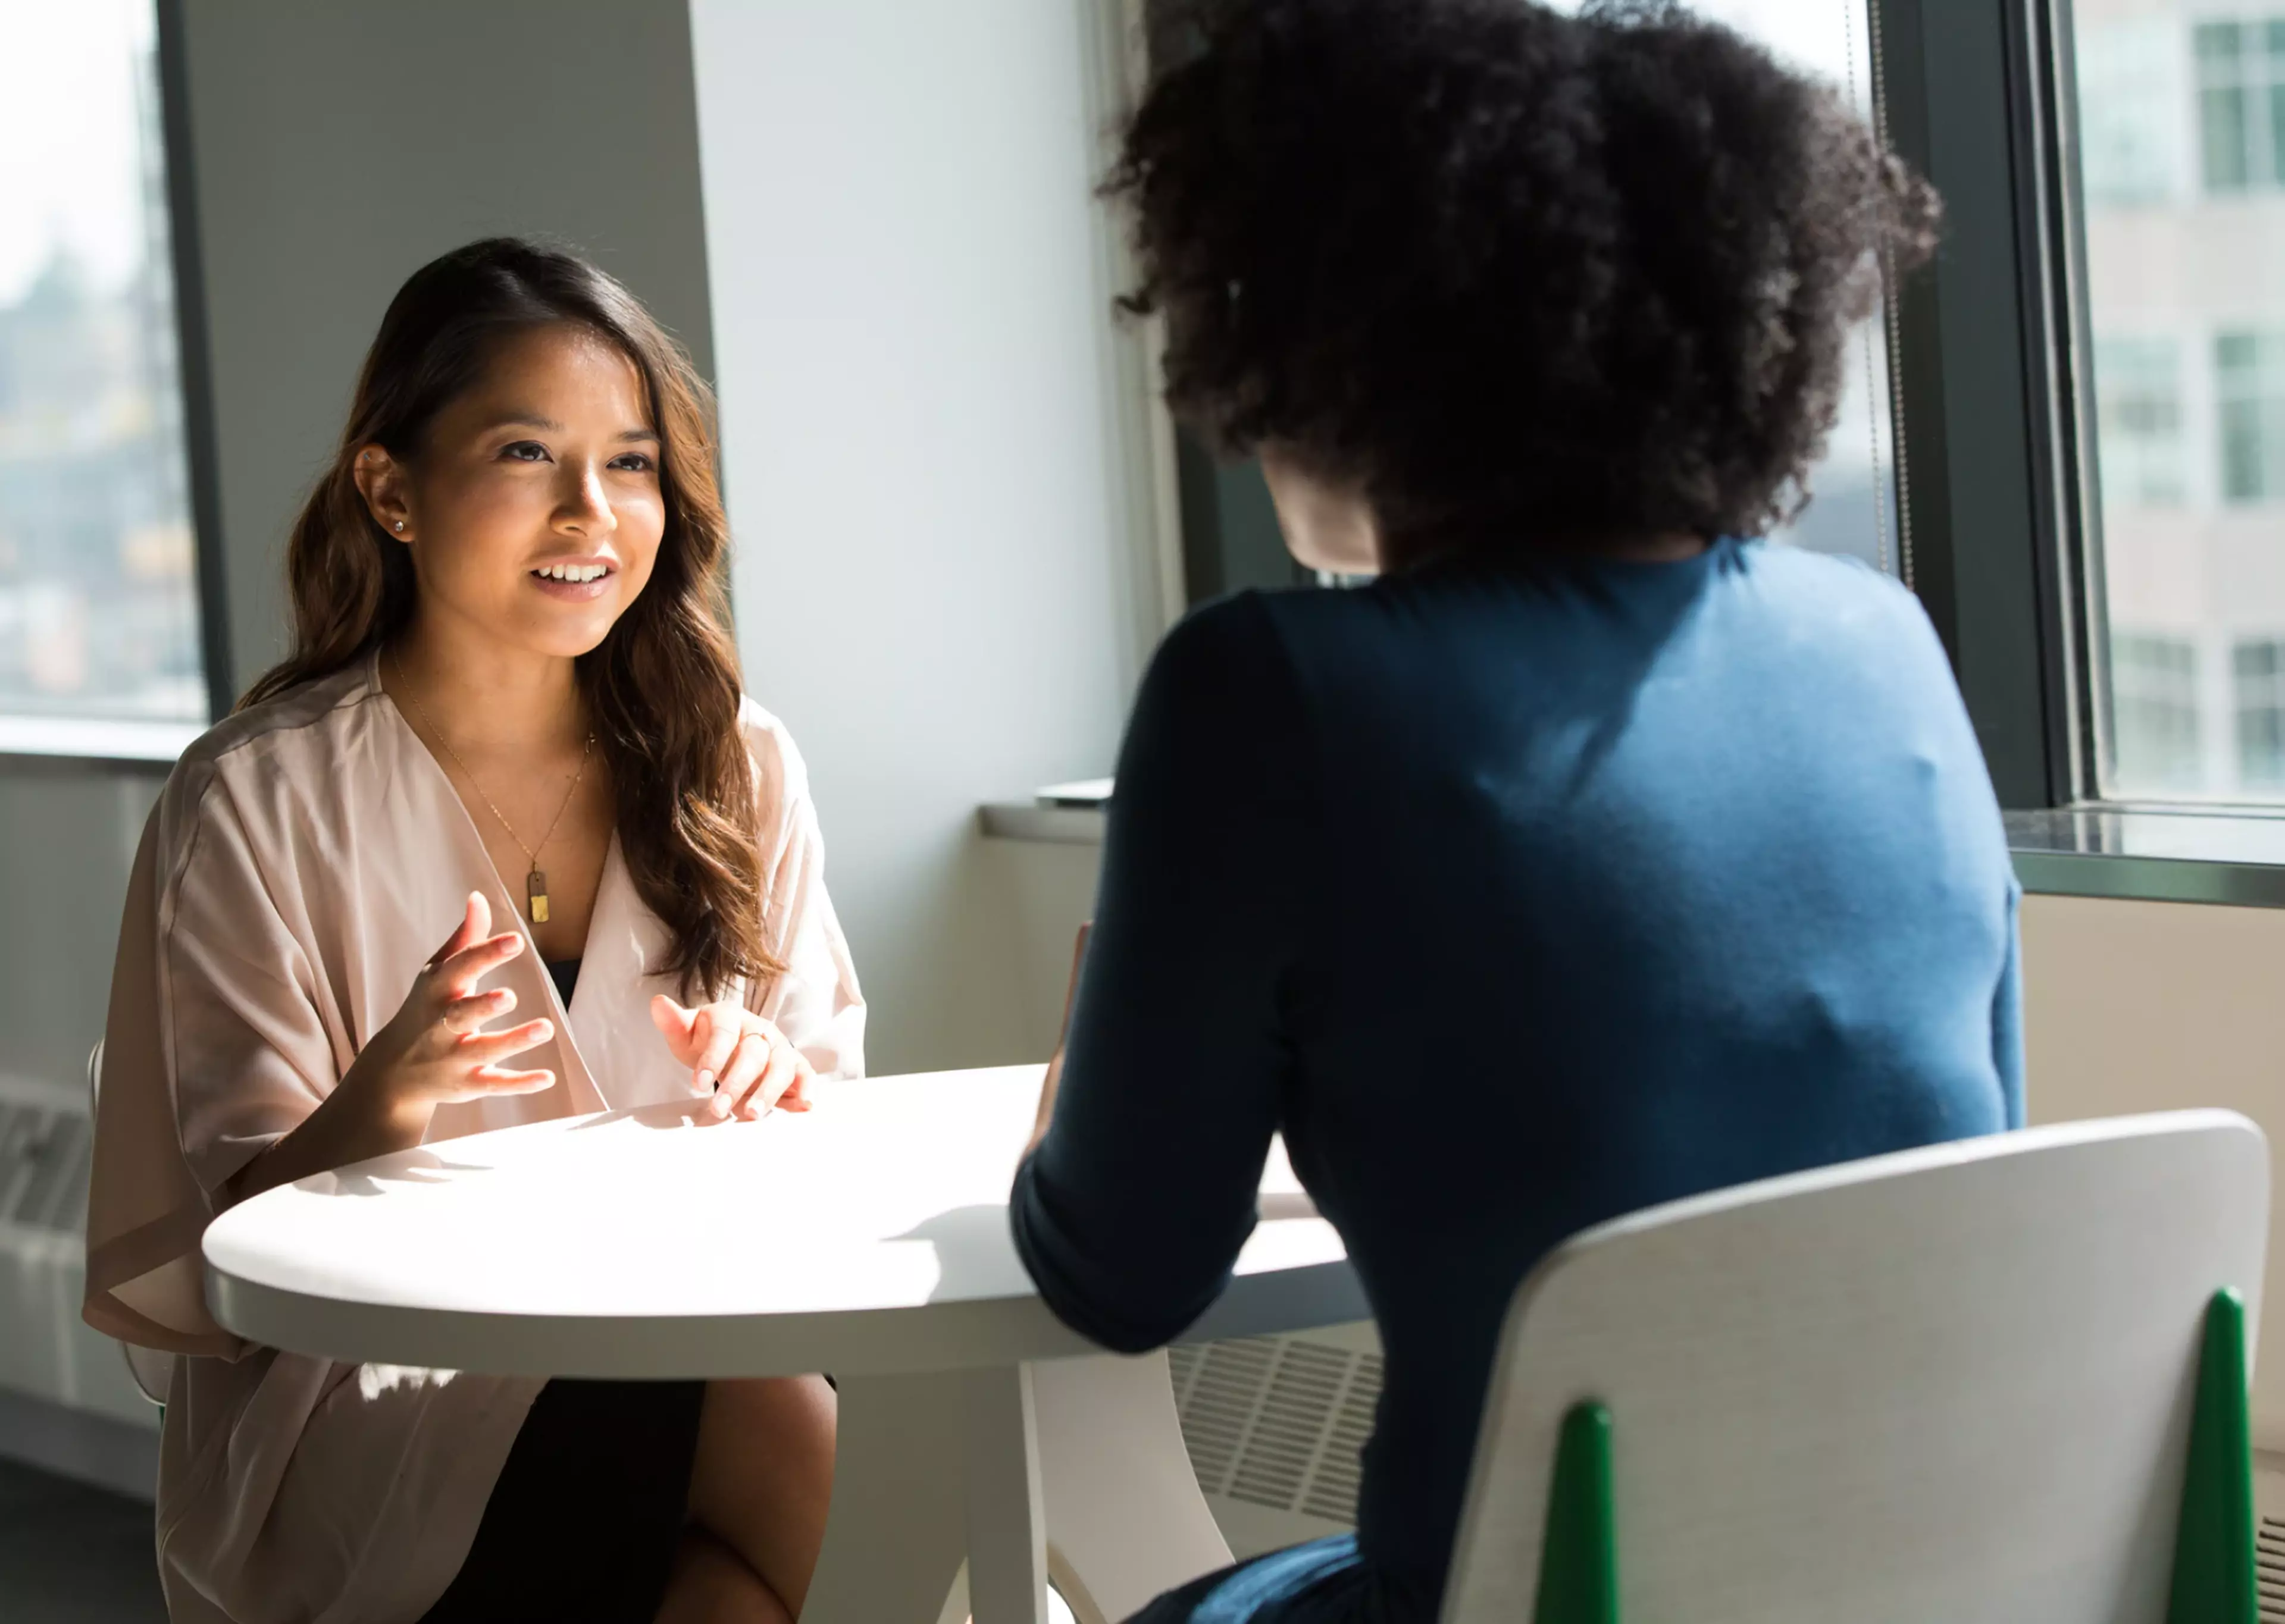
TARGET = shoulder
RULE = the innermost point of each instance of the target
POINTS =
(1231, 653)
(303, 738)
(781, 775)
(1220, 704)
(1844, 593)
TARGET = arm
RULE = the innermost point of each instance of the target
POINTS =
(756, 1054)
(2007, 1015)
(1134, 1204)
(435, 1051)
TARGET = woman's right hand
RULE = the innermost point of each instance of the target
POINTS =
(434, 1051)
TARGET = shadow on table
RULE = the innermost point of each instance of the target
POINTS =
(665, 1114)
(411, 1167)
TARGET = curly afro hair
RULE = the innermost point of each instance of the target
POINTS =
(1522, 277)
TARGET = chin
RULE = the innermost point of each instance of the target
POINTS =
(568, 638)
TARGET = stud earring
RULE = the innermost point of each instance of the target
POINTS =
(400, 524)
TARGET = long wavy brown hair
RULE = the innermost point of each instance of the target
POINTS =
(661, 689)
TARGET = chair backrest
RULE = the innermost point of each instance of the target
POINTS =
(1951, 1384)
(151, 1369)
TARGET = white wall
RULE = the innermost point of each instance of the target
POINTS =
(340, 145)
(936, 468)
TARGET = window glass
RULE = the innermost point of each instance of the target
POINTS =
(2258, 664)
(98, 606)
(2181, 124)
(2141, 405)
(2156, 683)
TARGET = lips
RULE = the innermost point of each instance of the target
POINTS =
(574, 580)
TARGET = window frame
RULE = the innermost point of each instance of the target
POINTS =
(194, 370)
(1994, 381)
(26, 742)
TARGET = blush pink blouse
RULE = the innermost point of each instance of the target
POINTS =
(305, 859)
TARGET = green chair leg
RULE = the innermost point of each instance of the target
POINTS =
(2213, 1548)
(1579, 1562)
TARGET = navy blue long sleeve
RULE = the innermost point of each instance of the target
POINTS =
(1516, 897)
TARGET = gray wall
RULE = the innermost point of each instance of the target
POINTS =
(339, 144)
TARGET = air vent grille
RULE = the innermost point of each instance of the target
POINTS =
(1277, 1422)
(2269, 1569)
(44, 1149)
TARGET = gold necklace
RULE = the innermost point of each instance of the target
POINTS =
(535, 883)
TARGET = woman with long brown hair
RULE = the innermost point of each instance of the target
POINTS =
(511, 724)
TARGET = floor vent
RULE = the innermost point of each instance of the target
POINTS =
(45, 1150)
(1278, 1422)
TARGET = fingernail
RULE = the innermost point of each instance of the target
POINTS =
(703, 1081)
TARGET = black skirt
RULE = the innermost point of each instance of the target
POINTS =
(584, 1519)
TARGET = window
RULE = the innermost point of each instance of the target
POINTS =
(2135, 117)
(2242, 103)
(2258, 665)
(2249, 397)
(2185, 301)
(2140, 422)
(99, 599)
(2154, 689)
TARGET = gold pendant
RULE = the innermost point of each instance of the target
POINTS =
(535, 891)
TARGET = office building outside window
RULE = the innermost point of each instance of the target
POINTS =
(2257, 666)
(2241, 103)
(2155, 686)
(2141, 422)
(2250, 392)
(98, 598)
(2181, 120)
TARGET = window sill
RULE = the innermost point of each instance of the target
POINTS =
(2234, 857)
(146, 746)
(1061, 825)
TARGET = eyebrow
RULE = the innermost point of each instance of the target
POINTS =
(532, 420)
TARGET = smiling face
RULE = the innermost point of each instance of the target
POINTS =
(532, 508)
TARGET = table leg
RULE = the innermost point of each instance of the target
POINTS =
(1007, 1533)
(897, 1529)
(1124, 1511)
(1084, 1455)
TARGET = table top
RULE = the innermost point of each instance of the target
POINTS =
(866, 1236)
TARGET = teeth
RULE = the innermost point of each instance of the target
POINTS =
(572, 572)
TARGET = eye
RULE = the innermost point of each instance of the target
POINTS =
(524, 450)
(634, 462)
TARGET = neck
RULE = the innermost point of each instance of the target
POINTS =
(486, 696)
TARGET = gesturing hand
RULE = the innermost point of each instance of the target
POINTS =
(434, 1051)
(746, 1065)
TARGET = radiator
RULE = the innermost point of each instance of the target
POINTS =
(46, 1350)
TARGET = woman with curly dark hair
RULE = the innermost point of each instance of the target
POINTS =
(1595, 854)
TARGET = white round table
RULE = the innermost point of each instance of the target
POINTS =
(868, 1238)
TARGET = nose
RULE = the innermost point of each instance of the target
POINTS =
(585, 509)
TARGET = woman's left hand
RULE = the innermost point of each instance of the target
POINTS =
(742, 1061)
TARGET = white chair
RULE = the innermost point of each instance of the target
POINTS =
(1955, 1386)
(151, 1369)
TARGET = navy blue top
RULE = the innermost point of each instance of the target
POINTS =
(1518, 898)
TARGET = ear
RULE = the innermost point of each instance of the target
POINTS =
(381, 479)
